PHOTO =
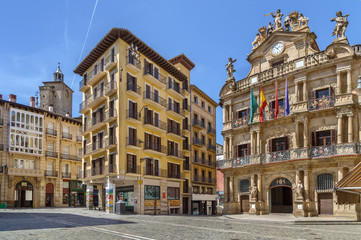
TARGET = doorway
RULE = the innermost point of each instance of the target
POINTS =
(49, 200)
(245, 203)
(185, 205)
(281, 199)
(24, 194)
(325, 203)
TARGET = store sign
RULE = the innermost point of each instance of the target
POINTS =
(109, 193)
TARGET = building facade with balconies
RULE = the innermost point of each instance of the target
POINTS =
(40, 159)
(290, 161)
(204, 197)
(136, 127)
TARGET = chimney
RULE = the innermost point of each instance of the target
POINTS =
(32, 102)
(12, 98)
(51, 108)
(1, 97)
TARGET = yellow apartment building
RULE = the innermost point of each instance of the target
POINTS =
(136, 126)
(204, 198)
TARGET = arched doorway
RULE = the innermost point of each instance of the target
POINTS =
(24, 194)
(49, 200)
(281, 196)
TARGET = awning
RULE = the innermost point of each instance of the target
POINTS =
(352, 180)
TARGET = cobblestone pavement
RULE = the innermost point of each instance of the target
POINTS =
(79, 223)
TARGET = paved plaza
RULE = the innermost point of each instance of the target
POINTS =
(79, 223)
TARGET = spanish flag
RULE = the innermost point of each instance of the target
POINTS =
(263, 103)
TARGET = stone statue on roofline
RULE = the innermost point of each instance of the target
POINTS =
(298, 22)
(287, 23)
(230, 69)
(340, 28)
(260, 37)
(270, 28)
(278, 19)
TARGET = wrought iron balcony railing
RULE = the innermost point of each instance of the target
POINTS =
(155, 147)
(336, 150)
(66, 175)
(321, 103)
(51, 173)
(132, 114)
(134, 87)
(67, 135)
(211, 130)
(133, 142)
(196, 122)
(155, 122)
(155, 98)
(134, 61)
(51, 131)
(198, 141)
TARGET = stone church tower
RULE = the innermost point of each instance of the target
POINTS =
(56, 96)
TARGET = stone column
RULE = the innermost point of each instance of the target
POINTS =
(297, 134)
(338, 82)
(230, 113)
(305, 133)
(296, 92)
(350, 128)
(230, 147)
(231, 179)
(306, 185)
(252, 144)
(259, 186)
(225, 148)
(339, 129)
(224, 114)
(349, 81)
(257, 144)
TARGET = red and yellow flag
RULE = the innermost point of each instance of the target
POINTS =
(263, 103)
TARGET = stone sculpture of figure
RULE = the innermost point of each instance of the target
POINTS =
(341, 24)
(230, 68)
(287, 23)
(302, 20)
(278, 19)
(256, 41)
(299, 190)
(270, 28)
(254, 192)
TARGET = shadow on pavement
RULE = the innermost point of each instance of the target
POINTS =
(10, 221)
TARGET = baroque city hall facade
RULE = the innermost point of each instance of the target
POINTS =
(291, 163)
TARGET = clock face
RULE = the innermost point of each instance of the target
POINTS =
(277, 48)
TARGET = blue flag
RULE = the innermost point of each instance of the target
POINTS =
(287, 103)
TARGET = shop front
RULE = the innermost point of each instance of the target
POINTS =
(77, 194)
(203, 204)
(24, 194)
(126, 194)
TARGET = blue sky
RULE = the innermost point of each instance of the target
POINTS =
(36, 35)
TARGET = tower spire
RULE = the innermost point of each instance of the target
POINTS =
(58, 75)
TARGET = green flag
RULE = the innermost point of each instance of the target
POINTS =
(253, 107)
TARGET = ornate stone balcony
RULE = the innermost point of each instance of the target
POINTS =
(282, 70)
(240, 122)
(337, 150)
(321, 103)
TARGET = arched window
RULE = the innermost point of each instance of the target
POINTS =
(325, 182)
(18, 117)
(244, 185)
(23, 118)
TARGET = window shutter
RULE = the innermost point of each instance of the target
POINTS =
(313, 94)
(145, 66)
(333, 136)
(270, 142)
(248, 149)
(314, 138)
(331, 91)
(136, 110)
(286, 143)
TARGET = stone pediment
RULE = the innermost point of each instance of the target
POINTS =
(338, 50)
(226, 89)
(280, 47)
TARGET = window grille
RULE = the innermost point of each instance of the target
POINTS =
(244, 185)
(325, 182)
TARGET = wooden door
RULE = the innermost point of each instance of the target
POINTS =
(325, 203)
(245, 203)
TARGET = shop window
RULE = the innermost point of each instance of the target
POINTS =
(173, 193)
(151, 192)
